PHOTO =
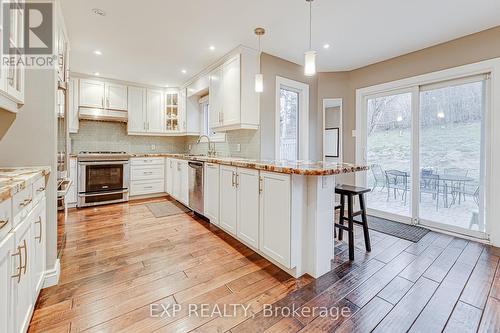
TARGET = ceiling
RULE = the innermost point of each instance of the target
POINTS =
(151, 41)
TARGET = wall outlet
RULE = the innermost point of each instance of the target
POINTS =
(190, 147)
(238, 147)
(354, 133)
(153, 147)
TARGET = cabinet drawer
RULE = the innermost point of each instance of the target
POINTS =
(148, 173)
(147, 161)
(146, 187)
(22, 204)
(38, 189)
(5, 217)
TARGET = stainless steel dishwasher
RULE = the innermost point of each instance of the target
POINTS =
(195, 171)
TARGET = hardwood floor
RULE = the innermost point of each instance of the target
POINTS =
(119, 259)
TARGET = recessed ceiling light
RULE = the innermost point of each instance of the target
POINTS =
(97, 52)
(326, 46)
(97, 73)
(183, 71)
(212, 48)
(98, 11)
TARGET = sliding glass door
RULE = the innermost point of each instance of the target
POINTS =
(426, 149)
(452, 155)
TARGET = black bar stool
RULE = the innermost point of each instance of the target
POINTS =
(350, 191)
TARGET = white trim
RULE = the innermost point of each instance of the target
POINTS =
(492, 121)
(303, 90)
(51, 277)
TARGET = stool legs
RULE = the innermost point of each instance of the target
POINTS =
(366, 233)
(351, 226)
(341, 215)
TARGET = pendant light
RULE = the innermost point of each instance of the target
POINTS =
(310, 55)
(259, 78)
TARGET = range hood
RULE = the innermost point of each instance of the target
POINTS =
(102, 114)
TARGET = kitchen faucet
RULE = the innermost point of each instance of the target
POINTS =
(211, 149)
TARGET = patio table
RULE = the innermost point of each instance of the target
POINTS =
(446, 179)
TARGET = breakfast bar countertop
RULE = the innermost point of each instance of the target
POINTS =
(13, 180)
(306, 168)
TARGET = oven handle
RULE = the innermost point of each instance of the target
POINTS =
(99, 194)
(103, 162)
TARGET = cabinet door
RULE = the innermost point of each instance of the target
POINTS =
(91, 93)
(155, 111)
(7, 265)
(184, 183)
(247, 183)
(176, 182)
(275, 223)
(23, 264)
(116, 96)
(168, 176)
(16, 73)
(137, 116)
(228, 199)
(182, 111)
(211, 192)
(73, 106)
(72, 195)
(231, 98)
(38, 227)
(215, 96)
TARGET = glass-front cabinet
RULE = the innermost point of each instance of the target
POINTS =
(172, 111)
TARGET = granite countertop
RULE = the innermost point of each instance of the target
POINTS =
(13, 180)
(306, 168)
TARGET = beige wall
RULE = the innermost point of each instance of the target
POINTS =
(31, 140)
(271, 67)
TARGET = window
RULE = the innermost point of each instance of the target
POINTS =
(205, 121)
(292, 109)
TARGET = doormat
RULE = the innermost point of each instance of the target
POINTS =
(397, 229)
(167, 208)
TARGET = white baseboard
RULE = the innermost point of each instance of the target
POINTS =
(52, 275)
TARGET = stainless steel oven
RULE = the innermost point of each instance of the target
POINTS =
(102, 179)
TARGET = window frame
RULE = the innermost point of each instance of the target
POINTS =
(205, 121)
(303, 115)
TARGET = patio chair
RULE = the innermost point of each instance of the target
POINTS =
(457, 187)
(378, 176)
(397, 181)
(429, 184)
(471, 190)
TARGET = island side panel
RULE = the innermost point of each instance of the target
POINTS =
(312, 223)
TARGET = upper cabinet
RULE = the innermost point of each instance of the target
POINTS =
(234, 104)
(173, 121)
(73, 122)
(103, 95)
(155, 106)
(137, 116)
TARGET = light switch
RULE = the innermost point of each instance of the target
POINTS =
(353, 133)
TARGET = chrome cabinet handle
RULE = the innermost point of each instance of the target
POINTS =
(26, 202)
(3, 223)
(18, 269)
(39, 238)
(237, 180)
(148, 173)
(260, 185)
(232, 179)
(148, 187)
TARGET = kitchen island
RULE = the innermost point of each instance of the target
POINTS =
(283, 210)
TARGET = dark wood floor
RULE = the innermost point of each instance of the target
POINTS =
(119, 259)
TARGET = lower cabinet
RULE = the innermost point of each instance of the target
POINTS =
(247, 222)
(22, 274)
(147, 176)
(228, 200)
(38, 242)
(184, 182)
(169, 170)
(211, 192)
(275, 220)
(177, 181)
(7, 262)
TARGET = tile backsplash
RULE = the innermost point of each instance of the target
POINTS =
(112, 136)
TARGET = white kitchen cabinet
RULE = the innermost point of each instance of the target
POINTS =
(147, 175)
(73, 121)
(92, 93)
(38, 238)
(72, 196)
(182, 111)
(116, 96)
(211, 192)
(215, 98)
(22, 290)
(184, 182)
(155, 106)
(169, 175)
(16, 73)
(247, 228)
(231, 92)
(8, 260)
(275, 222)
(228, 199)
(137, 115)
